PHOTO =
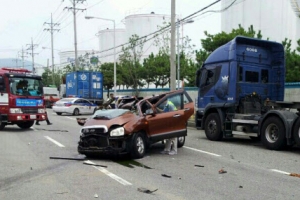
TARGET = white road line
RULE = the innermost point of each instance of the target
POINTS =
(213, 154)
(111, 175)
(70, 118)
(55, 142)
(281, 172)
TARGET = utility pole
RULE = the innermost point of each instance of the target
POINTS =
(31, 47)
(22, 56)
(172, 57)
(74, 10)
(51, 29)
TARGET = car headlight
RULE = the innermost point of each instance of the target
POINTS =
(41, 110)
(117, 132)
(15, 110)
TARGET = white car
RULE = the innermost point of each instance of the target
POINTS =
(75, 106)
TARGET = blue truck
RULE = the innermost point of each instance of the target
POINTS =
(241, 92)
(85, 84)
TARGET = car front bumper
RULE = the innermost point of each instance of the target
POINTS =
(99, 144)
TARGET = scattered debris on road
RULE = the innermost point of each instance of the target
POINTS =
(199, 166)
(240, 186)
(87, 162)
(222, 171)
(144, 190)
(96, 196)
(295, 175)
(62, 158)
(165, 175)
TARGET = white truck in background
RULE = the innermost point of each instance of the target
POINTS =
(51, 95)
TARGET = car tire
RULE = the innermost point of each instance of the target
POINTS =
(58, 113)
(76, 112)
(213, 127)
(273, 134)
(180, 141)
(137, 146)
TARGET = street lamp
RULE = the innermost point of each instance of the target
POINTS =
(115, 72)
(178, 52)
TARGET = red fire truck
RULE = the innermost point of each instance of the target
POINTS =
(21, 98)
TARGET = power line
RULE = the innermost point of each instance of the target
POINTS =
(31, 47)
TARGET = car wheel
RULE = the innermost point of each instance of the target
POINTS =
(138, 146)
(213, 127)
(273, 134)
(180, 141)
(58, 113)
(296, 132)
(76, 111)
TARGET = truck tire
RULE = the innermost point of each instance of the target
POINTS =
(213, 127)
(273, 134)
(137, 146)
(296, 132)
(2, 125)
(25, 125)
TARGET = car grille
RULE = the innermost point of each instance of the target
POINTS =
(30, 110)
(92, 131)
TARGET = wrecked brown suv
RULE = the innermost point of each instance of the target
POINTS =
(130, 131)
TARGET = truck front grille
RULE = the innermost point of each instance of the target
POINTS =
(30, 110)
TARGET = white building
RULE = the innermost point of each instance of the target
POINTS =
(277, 19)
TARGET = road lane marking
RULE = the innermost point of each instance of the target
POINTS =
(281, 172)
(213, 154)
(70, 118)
(111, 175)
(55, 142)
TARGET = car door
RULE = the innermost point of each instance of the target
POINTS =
(169, 124)
(79, 105)
(88, 107)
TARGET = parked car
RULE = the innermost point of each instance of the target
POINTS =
(75, 106)
(119, 131)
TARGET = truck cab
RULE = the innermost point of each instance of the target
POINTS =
(236, 85)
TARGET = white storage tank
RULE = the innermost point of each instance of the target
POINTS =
(68, 57)
(275, 18)
(144, 24)
(106, 42)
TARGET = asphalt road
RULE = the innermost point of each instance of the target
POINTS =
(252, 172)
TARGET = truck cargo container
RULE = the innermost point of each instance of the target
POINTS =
(85, 84)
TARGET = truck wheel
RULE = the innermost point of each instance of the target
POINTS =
(296, 131)
(180, 141)
(137, 146)
(213, 127)
(58, 113)
(273, 134)
(25, 125)
(2, 125)
(76, 111)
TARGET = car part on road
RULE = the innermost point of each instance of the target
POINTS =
(144, 190)
(62, 158)
(167, 176)
(87, 162)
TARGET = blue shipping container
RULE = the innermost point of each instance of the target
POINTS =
(84, 84)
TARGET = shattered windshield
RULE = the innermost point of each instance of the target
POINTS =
(109, 114)
(25, 86)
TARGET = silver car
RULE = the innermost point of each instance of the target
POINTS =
(74, 106)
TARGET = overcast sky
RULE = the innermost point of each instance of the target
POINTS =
(22, 20)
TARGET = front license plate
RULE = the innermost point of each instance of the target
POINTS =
(32, 117)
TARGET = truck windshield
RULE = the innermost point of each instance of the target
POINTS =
(25, 86)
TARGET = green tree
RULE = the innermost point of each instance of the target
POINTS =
(292, 61)
(130, 63)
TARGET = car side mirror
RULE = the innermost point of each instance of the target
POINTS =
(81, 121)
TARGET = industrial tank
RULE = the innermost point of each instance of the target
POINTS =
(106, 42)
(275, 19)
(143, 25)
